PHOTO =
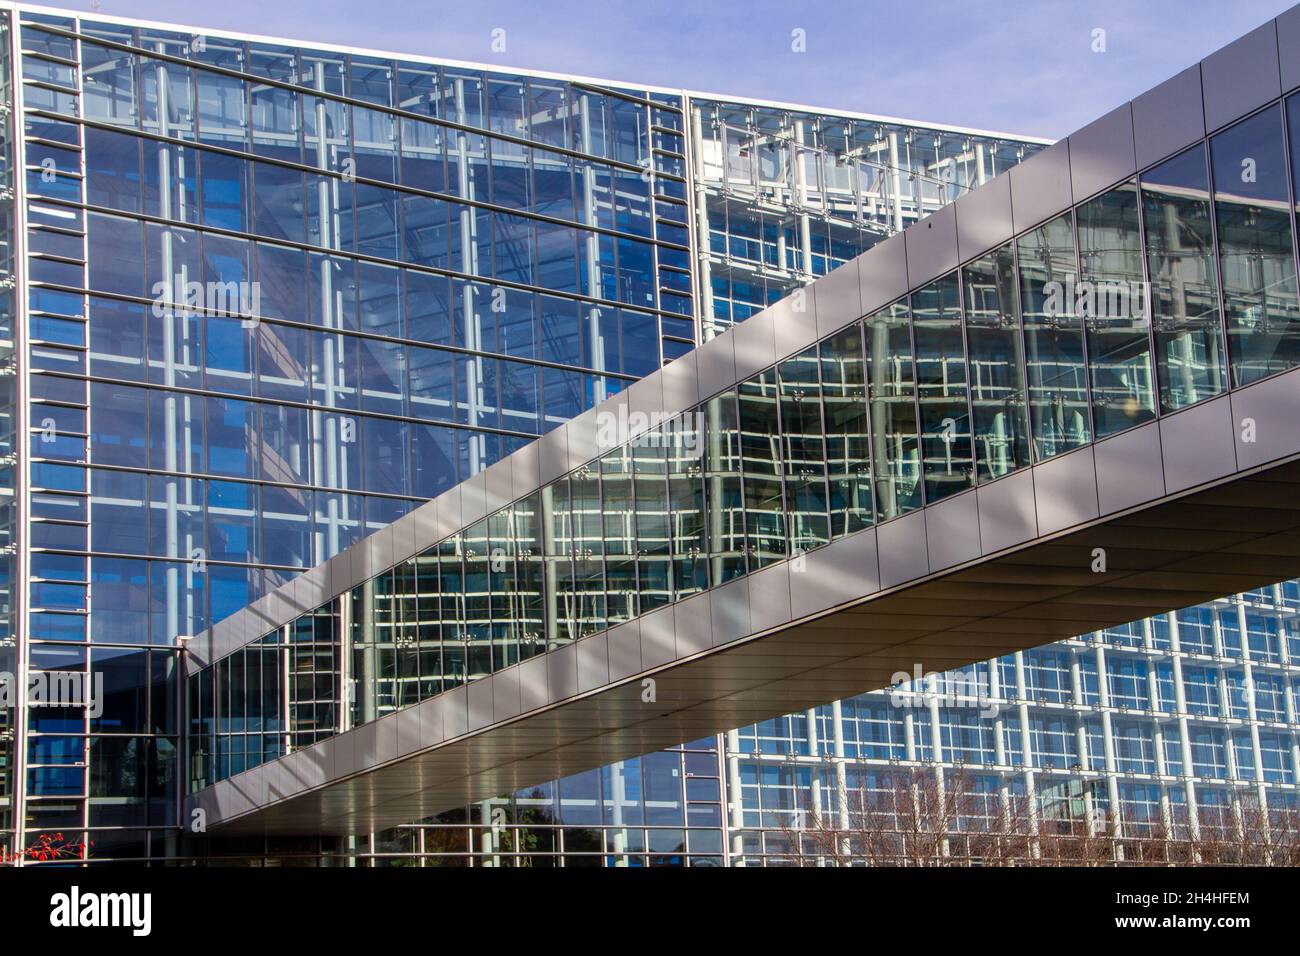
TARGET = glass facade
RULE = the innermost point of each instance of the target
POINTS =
(786, 195)
(11, 402)
(1136, 730)
(1183, 722)
(753, 466)
(276, 296)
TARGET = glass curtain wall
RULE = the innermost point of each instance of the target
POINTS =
(919, 375)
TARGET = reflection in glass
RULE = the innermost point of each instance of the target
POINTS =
(1112, 301)
(895, 448)
(531, 576)
(1058, 385)
(1184, 280)
(1252, 212)
(760, 431)
(997, 364)
(477, 600)
(848, 433)
(654, 555)
(594, 536)
(686, 505)
(941, 388)
(726, 536)
(561, 596)
(804, 451)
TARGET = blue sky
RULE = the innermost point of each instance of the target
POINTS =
(1023, 66)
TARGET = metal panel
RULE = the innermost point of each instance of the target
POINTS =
(836, 298)
(1102, 154)
(314, 765)
(794, 320)
(553, 455)
(383, 550)
(342, 750)
(1065, 489)
(769, 597)
(505, 694)
(645, 402)
(681, 390)
(239, 798)
(473, 499)
(755, 341)
(842, 571)
(383, 747)
(952, 531)
(449, 512)
(932, 246)
(339, 572)
(1168, 117)
(432, 724)
(561, 673)
(593, 662)
(408, 731)
(1266, 420)
(498, 485)
(693, 624)
(455, 711)
(1040, 186)
(729, 606)
(1007, 512)
(532, 683)
(716, 365)
(404, 543)
(365, 744)
(481, 704)
(1129, 469)
(903, 553)
(882, 278)
(984, 218)
(658, 645)
(275, 780)
(584, 443)
(1197, 444)
(1241, 76)
(525, 465)
(625, 650)
(1288, 48)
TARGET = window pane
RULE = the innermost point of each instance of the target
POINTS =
(686, 505)
(848, 434)
(895, 448)
(804, 451)
(765, 538)
(1184, 280)
(941, 387)
(1251, 207)
(722, 478)
(1058, 391)
(997, 365)
(1111, 299)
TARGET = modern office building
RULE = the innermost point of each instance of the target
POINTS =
(276, 296)
(1110, 725)
(263, 298)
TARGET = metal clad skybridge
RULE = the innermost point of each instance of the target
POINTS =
(1067, 401)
